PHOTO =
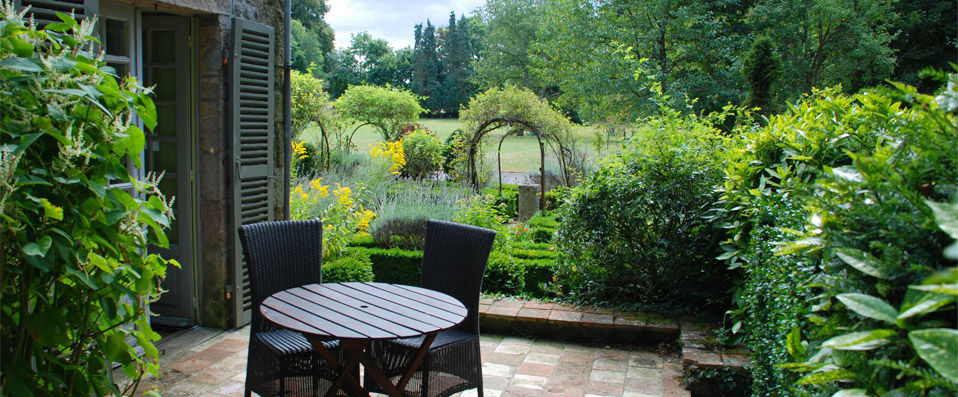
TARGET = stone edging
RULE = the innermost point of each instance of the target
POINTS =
(605, 326)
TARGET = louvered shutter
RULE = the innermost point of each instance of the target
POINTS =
(253, 133)
(45, 11)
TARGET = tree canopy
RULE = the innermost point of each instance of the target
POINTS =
(387, 109)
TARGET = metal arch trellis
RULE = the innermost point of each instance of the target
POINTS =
(496, 123)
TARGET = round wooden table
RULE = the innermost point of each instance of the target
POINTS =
(357, 313)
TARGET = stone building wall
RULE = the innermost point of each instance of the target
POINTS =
(217, 247)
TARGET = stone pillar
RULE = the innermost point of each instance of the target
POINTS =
(528, 201)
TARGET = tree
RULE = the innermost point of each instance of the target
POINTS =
(509, 39)
(312, 38)
(311, 104)
(604, 55)
(368, 53)
(308, 55)
(825, 42)
(386, 109)
(926, 38)
(761, 68)
(426, 67)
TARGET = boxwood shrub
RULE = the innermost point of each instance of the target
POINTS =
(354, 265)
(393, 265)
(504, 275)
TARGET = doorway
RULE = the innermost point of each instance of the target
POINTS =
(169, 156)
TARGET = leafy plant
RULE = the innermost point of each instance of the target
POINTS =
(657, 251)
(75, 273)
(387, 109)
(423, 154)
(881, 324)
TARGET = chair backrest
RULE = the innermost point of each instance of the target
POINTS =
(280, 255)
(453, 262)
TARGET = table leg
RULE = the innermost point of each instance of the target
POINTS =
(351, 383)
(417, 360)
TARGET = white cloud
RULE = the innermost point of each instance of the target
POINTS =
(391, 20)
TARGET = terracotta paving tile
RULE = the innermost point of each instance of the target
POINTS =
(538, 305)
(596, 320)
(736, 361)
(566, 307)
(626, 323)
(652, 387)
(536, 314)
(564, 316)
(701, 358)
(536, 369)
(610, 364)
(542, 358)
(604, 388)
(192, 365)
(484, 307)
(231, 345)
(645, 359)
(597, 310)
(485, 300)
(613, 354)
(508, 303)
(601, 375)
(212, 354)
(504, 311)
(510, 359)
(580, 358)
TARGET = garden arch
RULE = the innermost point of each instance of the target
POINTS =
(513, 107)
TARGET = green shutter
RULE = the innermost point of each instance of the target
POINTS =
(45, 11)
(253, 130)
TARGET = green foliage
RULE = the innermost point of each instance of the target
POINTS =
(76, 224)
(503, 275)
(828, 213)
(423, 153)
(826, 43)
(405, 206)
(311, 37)
(721, 381)
(393, 265)
(762, 68)
(352, 266)
(310, 104)
(658, 251)
(519, 109)
(386, 109)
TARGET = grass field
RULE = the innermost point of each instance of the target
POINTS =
(519, 153)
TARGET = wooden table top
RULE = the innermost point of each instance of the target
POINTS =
(363, 310)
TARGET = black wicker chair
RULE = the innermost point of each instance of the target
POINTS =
(454, 260)
(282, 255)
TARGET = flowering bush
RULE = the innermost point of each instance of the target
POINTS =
(393, 154)
(343, 217)
(75, 273)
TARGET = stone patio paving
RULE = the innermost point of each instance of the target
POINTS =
(213, 363)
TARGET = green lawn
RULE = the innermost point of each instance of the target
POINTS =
(519, 153)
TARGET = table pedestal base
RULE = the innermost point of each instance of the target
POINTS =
(355, 354)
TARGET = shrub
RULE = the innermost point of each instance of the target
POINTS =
(423, 152)
(539, 274)
(831, 221)
(394, 265)
(503, 275)
(406, 205)
(352, 266)
(76, 224)
(657, 251)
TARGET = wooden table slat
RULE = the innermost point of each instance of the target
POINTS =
(389, 328)
(438, 308)
(443, 302)
(445, 298)
(307, 322)
(387, 301)
(375, 309)
(425, 310)
(319, 310)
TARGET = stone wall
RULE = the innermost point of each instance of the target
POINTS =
(217, 248)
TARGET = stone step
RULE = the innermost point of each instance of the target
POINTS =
(511, 316)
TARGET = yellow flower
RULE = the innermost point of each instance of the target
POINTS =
(343, 196)
(298, 190)
(365, 216)
(317, 185)
(299, 150)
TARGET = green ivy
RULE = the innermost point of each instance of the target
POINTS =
(75, 227)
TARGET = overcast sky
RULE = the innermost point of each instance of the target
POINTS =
(392, 20)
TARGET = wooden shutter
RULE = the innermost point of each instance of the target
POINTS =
(45, 11)
(253, 130)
